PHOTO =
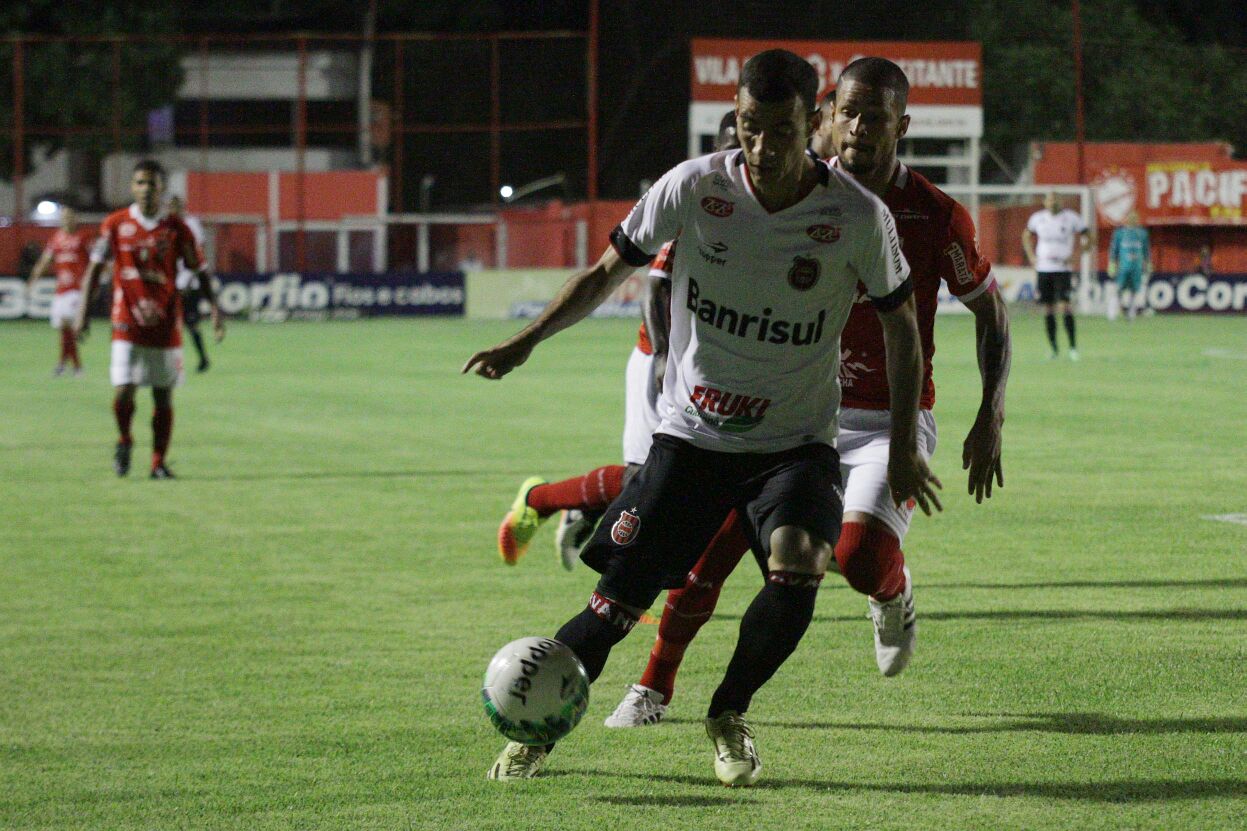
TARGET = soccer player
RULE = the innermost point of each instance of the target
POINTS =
(188, 281)
(66, 252)
(750, 394)
(1049, 243)
(1129, 264)
(863, 119)
(582, 499)
(145, 242)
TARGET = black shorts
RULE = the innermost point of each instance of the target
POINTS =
(667, 514)
(1055, 287)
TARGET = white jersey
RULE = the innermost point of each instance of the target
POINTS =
(1055, 235)
(758, 300)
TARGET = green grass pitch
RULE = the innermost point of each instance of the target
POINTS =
(292, 635)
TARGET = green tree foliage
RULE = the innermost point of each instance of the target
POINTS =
(71, 85)
(1141, 80)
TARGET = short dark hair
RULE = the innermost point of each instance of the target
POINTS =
(776, 75)
(878, 72)
(726, 139)
(153, 167)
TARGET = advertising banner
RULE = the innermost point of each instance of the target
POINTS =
(946, 78)
(289, 296)
(1218, 293)
(1172, 192)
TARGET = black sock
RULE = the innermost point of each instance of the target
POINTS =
(770, 630)
(1050, 323)
(199, 343)
(1069, 330)
(592, 633)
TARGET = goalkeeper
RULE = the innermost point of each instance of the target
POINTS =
(1129, 264)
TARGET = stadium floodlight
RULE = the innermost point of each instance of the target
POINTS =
(47, 209)
(511, 194)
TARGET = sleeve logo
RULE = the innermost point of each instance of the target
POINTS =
(715, 206)
(625, 529)
(823, 233)
(960, 268)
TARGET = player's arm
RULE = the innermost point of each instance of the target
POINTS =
(190, 256)
(655, 219)
(580, 295)
(41, 266)
(1028, 245)
(656, 311)
(908, 474)
(82, 321)
(1113, 244)
(981, 453)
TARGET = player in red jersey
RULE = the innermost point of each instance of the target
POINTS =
(583, 498)
(145, 244)
(862, 122)
(66, 252)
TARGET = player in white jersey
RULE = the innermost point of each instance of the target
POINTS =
(1051, 239)
(750, 392)
(188, 282)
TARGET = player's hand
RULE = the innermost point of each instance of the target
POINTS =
(497, 362)
(981, 455)
(218, 324)
(910, 478)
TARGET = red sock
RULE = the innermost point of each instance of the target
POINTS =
(162, 431)
(871, 560)
(688, 608)
(591, 492)
(69, 348)
(124, 413)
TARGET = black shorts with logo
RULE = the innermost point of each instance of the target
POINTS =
(1055, 286)
(667, 514)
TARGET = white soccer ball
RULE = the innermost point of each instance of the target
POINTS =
(535, 690)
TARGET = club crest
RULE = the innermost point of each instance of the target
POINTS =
(803, 274)
(625, 529)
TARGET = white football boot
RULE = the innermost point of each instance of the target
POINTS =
(896, 629)
(570, 537)
(736, 761)
(641, 706)
(518, 761)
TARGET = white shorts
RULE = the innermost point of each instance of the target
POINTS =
(145, 366)
(640, 408)
(64, 308)
(863, 443)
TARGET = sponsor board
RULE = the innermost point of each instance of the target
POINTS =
(1218, 294)
(290, 296)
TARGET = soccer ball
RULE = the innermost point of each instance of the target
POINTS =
(535, 690)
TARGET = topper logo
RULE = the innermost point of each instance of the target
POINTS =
(717, 207)
(823, 233)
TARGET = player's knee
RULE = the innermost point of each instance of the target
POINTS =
(795, 549)
(868, 555)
